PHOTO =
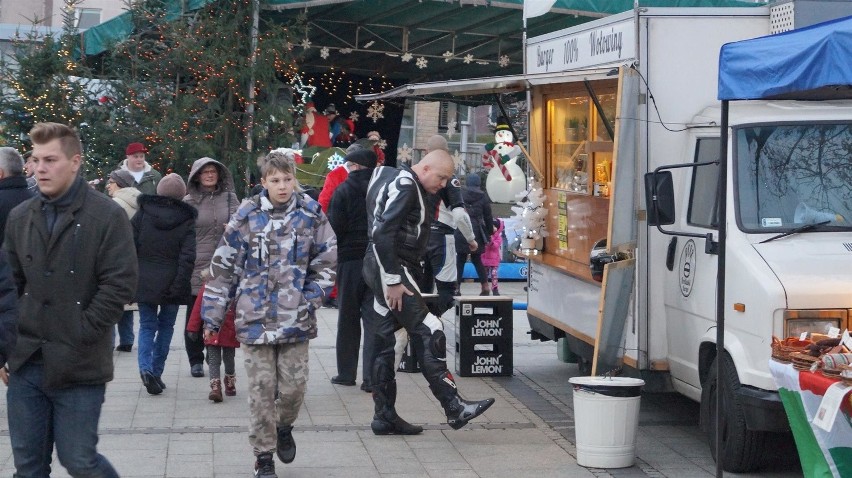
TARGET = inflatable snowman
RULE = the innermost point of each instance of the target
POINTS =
(505, 179)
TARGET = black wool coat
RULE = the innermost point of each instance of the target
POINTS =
(13, 191)
(347, 214)
(164, 232)
(72, 284)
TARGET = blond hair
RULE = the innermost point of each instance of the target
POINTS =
(279, 162)
(69, 140)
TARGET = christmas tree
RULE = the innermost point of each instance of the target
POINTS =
(530, 214)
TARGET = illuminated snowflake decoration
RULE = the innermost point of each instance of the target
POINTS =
(354, 116)
(376, 111)
(406, 57)
(335, 160)
(346, 51)
(382, 144)
(468, 58)
(305, 44)
(448, 55)
(503, 61)
(404, 153)
(451, 127)
(457, 158)
(324, 52)
(422, 62)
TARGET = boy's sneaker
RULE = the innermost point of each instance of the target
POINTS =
(264, 466)
(286, 449)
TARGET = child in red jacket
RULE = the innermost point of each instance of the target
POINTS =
(492, 254)
(221, 347)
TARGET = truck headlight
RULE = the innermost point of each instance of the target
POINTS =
(814, 321)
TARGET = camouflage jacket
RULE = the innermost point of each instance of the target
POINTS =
(278, 263)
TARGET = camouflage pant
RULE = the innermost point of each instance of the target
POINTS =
(277, 376)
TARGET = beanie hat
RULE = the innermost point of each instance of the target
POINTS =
(134, 148)
(330, 109)
(374, 136)
(364, 157)
(171, 186)
(121, 178)
(473, 180)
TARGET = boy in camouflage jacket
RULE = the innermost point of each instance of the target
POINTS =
(281, 253)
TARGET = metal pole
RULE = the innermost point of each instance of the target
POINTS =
(720, 286)
(255, 20)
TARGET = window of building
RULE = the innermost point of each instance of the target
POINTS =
(406, 128)
(449, 117)
(87, 17)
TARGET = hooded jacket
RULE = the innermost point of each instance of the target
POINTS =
(150, 178)
(214, 210)
(73, 284)
(282, 260)
(164, 231)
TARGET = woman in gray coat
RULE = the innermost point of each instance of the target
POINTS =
(210, 189)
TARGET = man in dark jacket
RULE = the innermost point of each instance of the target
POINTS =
(399, 230)
(8, 315)
(347, 214)
(478, 207)
(13, 184)
(72, 257)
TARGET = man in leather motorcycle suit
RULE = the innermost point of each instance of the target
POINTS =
(398, 222)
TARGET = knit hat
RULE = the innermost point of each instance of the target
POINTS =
(364, 157)
(134, 148)
(374, 136)
(121, 178)
(172, 186)
(473, 180)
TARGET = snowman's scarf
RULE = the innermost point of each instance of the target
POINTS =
(492, 158)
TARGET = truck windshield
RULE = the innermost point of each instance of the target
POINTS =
(790, 175)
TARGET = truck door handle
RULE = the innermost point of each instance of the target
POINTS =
(671, 253)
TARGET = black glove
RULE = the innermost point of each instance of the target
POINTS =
(193, 336)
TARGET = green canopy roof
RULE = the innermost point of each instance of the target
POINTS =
(413, 40)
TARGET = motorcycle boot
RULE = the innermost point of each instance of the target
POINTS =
(386, 421)
(459, 411)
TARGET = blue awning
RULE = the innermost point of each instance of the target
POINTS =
(809, 63)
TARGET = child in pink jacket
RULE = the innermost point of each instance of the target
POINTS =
(492, 254)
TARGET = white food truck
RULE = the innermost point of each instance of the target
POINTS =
(615, 99)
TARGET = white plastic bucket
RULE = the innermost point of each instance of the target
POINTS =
(606, 416)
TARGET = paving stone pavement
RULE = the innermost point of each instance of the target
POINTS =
(529, 431)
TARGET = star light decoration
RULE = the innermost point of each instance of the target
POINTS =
(404, 153)
(305, 91)
(354, 116)
(468, 58)
(422, 62)
(448, 55)
(503, 61)
(376, 111)
(335, 160)
(305, 44)
(406, 57)
(324, 52)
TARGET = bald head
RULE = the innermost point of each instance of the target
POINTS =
(434, 170)
(436, 142)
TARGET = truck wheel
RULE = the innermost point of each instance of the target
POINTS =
(742, 449)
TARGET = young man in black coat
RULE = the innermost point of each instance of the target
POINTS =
(347, 214)
(164, 230)
(72, 257)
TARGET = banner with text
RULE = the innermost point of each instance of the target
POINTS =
(604, 44)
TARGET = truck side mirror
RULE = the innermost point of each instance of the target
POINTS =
(659, 198)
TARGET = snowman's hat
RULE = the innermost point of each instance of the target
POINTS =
(502, 125)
